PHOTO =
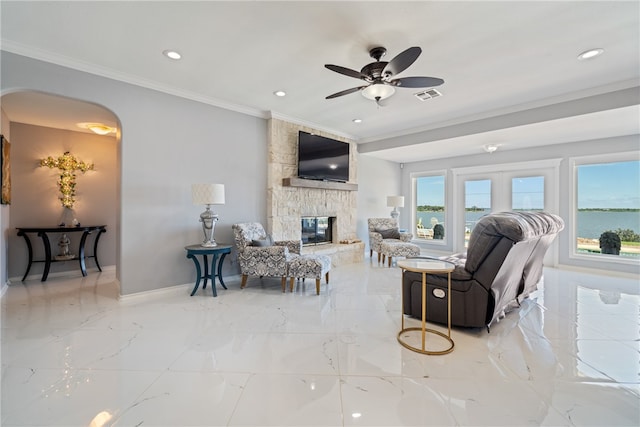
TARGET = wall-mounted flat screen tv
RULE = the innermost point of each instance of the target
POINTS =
(322, 158)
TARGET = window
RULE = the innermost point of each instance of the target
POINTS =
(608, 209)
(430, 207)
(527, 193)
(477, 203)
(478, 191)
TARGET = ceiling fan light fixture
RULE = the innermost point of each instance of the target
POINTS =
(490, 148)
(380, 76)
(378, 91)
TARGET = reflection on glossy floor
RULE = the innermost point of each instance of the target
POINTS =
(75, 355)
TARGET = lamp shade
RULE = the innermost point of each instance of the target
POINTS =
(207, 194)
(395, 201)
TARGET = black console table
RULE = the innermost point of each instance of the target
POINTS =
(42, 233)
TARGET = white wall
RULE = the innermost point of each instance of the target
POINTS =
(167, 143)
(377, 179)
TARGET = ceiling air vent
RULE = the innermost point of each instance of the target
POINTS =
(427, 94)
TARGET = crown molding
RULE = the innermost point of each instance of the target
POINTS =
(64, 61)
(294, 120)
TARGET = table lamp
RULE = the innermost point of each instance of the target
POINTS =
(395, 202)
(208, 194)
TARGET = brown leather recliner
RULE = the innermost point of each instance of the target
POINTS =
(501, 267)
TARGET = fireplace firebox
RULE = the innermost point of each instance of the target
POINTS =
(317, 230)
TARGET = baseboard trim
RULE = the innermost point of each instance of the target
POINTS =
(182, 288)
(68, 273)
(154, 293)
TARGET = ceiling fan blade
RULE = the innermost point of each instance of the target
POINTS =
(345, 92)
(402, 61)
(346, 71)
(416, 82)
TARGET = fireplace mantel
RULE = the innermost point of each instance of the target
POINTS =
(312, 183)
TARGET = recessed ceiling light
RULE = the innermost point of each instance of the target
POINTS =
(357, 120)
(280, 93)
(172, 54)
(591, 53)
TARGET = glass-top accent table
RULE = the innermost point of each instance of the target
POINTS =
(424, 266)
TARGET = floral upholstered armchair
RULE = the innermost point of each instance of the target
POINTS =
(259, 255)
(382, 229)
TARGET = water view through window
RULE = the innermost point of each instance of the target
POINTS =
(606, 221)
(477, 203)
(430, 207)
(608, 205)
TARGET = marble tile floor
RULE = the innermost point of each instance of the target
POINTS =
(74, 354)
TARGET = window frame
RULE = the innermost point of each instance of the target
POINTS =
(574, 163)
(501, 195)
(414, 205)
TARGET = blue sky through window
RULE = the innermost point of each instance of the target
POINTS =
(609, 185)
(477, 194)
(430, 190)
(527, 193)
(606, 185)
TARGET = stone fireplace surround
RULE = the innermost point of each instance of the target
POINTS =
(287, 204)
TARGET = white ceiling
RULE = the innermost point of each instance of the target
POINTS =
(497, 59)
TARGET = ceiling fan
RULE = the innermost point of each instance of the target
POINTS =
(379, 75)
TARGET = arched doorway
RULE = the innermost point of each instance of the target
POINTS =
(42, 125)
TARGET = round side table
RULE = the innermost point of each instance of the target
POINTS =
(222, 250)
(424, 266)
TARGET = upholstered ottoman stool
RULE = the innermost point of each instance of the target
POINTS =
(398, 249)
(309, 267)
